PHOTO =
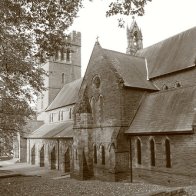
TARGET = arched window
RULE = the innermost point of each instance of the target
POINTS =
(95, 154)
(167, 153)
(92, 103)
(61, 115)
(70, 113)
(152, 152)
(135, 38)
(102, 155)
(101, 108)
(165, 87)
(51, 117)
(76, 154)
(177, 84)
(139, 154)
(63, 78)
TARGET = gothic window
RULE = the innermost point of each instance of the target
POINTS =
(95, 154)
(51, 117)
(70, 113)
(165, 87)
(76, 154)
(96, 81)
(102, 155)
(167, 153)
(135, 38)
(101, 108)
(139, 157)
(177, 84)
(63, 78)
(152, 152)
(61, 115)
(92, 102)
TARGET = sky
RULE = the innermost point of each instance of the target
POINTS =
(162, 19)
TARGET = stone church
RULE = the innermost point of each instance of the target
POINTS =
(132, 116)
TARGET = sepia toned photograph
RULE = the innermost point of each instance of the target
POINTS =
(97, 98)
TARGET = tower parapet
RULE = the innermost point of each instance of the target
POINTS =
(75, 38)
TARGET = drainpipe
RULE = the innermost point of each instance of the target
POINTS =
(131, 166)
(58, 155)
(29, 158)
(19, 146)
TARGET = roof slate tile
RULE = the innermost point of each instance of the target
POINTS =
(165, 111)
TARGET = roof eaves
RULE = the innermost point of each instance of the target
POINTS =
(142, 88)
(175, 71)
(185, 131)
(48, 110)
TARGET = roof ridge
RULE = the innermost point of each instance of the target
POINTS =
(168, 38)
(128, 55)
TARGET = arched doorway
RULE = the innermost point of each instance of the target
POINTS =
(67, 160)
(42, 157)
(53, 158)
(33, 155)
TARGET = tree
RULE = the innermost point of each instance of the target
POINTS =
(127, 8)
(32, 31)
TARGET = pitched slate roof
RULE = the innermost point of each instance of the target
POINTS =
(54, 130)
(68, 95)
(173, 54)
(166, 111)
(132, 69)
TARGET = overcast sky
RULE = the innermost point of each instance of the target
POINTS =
(162, 19)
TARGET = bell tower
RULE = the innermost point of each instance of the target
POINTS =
(134, 38)
(64, 67)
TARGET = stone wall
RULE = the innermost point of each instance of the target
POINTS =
(183, 160)
(56, 153)
(112, 106)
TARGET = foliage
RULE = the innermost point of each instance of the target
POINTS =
(127, 8)
(31, 31)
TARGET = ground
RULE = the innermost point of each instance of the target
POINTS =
(68, 187)
(23, 179)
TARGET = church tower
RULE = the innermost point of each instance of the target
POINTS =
(62, 68)
(134, 38)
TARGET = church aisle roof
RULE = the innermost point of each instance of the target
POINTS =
(173, 54)
(68, 95)
(54, 130)
(165, 111)
(132, 69)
